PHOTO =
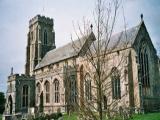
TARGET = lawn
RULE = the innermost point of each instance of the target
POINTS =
(73, 116)
(150, 116)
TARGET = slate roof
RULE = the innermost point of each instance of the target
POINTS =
(127, 36)
(68, 50)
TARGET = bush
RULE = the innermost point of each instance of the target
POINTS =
(54, 116)
(59, 115)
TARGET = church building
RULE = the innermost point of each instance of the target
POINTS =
(56, 79)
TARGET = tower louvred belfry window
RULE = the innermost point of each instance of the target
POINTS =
(45, 37)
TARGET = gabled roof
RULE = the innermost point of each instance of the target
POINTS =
(68, 50)
(128, 36)
(118, 41)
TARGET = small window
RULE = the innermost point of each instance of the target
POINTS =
(32, 36)
(38, 91)
(25, 96)
(11, 89)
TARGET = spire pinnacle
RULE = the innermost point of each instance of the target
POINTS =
(91, 27)
(11, 70)
(141, 17)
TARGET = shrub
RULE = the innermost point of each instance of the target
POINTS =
(54, 116)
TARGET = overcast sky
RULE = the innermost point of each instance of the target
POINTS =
(15, 15)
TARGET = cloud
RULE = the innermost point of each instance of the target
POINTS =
(15, 15)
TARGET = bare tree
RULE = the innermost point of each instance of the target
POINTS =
(96, 48)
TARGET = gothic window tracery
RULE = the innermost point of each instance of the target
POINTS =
(144, 66)
(47, 91)
(72, 88)
(115, 79)
(56, 89)
(88, 87)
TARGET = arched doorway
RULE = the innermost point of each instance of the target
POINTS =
(10, 104)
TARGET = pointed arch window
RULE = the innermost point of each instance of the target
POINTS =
(25, 96)
(73, 91)
(105, 102)
(144, 67)
(38, 87)
(45, 37)
(88, 87)
(47, 92)
(115, 79)
(81, 86)
(56, 91)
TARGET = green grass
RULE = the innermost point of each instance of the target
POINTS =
(73, 116)
(150, 116)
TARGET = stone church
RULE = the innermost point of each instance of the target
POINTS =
(43, 86)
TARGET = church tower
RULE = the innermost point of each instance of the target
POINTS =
(41, 39)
